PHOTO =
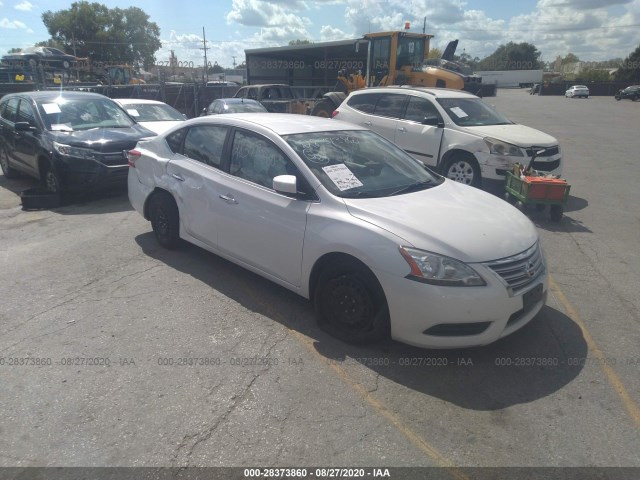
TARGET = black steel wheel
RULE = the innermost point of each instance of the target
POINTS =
(462, 168)
(350, 304)
(165, 220)
(8, 170)
(323, 108)
(51, 180)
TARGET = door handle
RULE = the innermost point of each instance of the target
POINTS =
(178, 177)
(402, 129)
(229, 199)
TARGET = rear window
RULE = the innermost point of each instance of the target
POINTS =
(365, 103)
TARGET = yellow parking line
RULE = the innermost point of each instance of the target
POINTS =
(629, 404)
(379, 407)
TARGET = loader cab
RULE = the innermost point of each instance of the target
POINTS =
(389, 52)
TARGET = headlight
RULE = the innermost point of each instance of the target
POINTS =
(76, 152)
(504, 149)
(436, 269)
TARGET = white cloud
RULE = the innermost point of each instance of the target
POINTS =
(24, 6)
(330, 34)
(12, 24)
(259, 13)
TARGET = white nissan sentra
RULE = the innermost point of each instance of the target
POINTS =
(336, 213)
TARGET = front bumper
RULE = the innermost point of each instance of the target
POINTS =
(84, 174)
(494, 167)
(426, 315)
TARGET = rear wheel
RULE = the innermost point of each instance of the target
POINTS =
(165, 220)
(462, 168)
(350, 304)
(323, 108)
(556, 212)
(8, 171)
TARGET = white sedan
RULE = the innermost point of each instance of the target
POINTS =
(152, 114)
(577, 91)
(336, 213)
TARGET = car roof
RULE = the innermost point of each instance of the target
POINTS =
(53, 94)
(279, 123)
(436, 92)
(129, 101)
(237, 100)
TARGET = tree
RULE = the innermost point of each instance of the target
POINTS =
(630, 69)
(434, 53)
(593, 75)
(512, 56)
(569, 58)
(300, 42)
(215, 68)
(106, 35)
(15, 50)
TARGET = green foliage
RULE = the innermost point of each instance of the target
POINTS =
(512, 56)
(215, 68)
(630, 68)
(105, 35)
(434, 53)
(15, 50)
(300, 42)
(593, 75)
(569, 58)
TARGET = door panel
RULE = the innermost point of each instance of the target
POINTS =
(419, 140)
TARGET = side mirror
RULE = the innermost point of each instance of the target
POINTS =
(23, 127)
(286, 184)
(434, 121)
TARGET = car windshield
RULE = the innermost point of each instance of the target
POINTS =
(244, 107)
(360, 163)
(70, 114)
(152, 112)
(472, 112)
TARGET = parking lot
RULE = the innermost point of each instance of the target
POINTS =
(139, 356)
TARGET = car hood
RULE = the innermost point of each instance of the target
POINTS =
(103, 139)
(451, 219)
(515, 134)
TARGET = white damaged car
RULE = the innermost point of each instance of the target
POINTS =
(336, 213)
(451, 130)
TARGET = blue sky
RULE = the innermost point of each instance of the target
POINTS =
(592, 29)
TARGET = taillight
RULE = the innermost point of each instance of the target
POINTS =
(132, 156)
(334, 113)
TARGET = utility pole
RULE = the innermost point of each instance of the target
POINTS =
(234, 62)
(424, 25)
(205, 72)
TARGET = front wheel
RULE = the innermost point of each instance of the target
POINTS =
(618, 97)
(51, 180)
(8, 170)
(165, 220)
(462, 169)
(556, 212)
(350, 304)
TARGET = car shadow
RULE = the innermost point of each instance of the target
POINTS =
(105, 200)
(534, 362)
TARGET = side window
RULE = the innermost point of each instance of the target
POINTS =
(175, 140)
(25, 113)
(390, 106)
(205, 144)
(420, 108)
(11, 110)
(256, 159)
(252, 93)
(217, 107)
(365, 103)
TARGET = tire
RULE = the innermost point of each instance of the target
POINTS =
(165, 220)
(634, 98)
(618, 98)
(350, 304)
(8, 171)
(51, 180)
(323, 109)
(556, 212)
(462, 169)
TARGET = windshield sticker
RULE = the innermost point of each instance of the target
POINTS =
(133, 112)
(61, 127)
(460, 113)
(342, 177)
(51, 108)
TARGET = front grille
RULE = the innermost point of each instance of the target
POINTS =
(521, 270)
(549, 152)
(546, 166)
(113, 159)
